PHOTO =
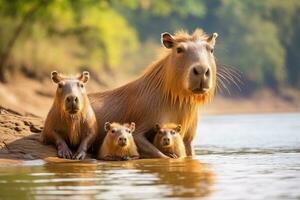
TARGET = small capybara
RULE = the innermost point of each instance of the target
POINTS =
(168, 140)
(71, 123)
(118, 143)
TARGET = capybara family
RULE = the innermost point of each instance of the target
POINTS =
(71, 123)
(118, 143)
(170, 90)
(168, 140)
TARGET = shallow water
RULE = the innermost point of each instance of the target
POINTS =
(238, 157)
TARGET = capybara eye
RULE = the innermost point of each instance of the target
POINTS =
(81, 85)
(179, 50)
(60, 85)
(212, 50)
(113, 131)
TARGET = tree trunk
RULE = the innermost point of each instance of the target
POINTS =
(4, 56)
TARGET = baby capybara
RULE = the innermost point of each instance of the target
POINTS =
(71, 123)
(169, 141)
(118, 143)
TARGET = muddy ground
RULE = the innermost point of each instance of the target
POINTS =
(20, 137)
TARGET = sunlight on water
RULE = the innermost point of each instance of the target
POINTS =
(238, 157)
(129, 180)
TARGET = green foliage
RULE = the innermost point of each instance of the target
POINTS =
(261, 38)
(252, 42)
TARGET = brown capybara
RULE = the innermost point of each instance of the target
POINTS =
(170, 90)
(118, 143)
(168, 140)
(71, 122)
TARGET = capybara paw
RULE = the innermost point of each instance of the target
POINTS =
(64, 152)
(125, 158)
(135, 157)
(80, 155)
(109, 158)
(172, 155)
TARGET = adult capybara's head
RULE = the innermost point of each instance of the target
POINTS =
(70, 93)
(120, 134)
(166, 134)
(191, 66)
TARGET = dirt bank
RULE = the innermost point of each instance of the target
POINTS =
(19, 138)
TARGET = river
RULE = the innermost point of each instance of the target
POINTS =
(253, 156)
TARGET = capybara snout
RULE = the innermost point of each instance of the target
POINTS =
(200, 78)
(122, 141)
(166, 141)
(72, 104)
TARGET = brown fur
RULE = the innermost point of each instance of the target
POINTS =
(176, 148)
(70, 130)
(110, 150)
(157, 95)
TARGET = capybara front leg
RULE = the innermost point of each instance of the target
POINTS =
(189, 148)
(63, 150)
(84, 146)
(134, 157)
(146, 149)
(111, 158)
(172, 155)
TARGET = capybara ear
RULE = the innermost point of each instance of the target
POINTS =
(212, 39)
(107, 126)
(132, 127)
(157, 127)
(56, 78)
(167, 40)
(178, 128)
(84, 77)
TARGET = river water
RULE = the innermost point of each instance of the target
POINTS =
(237, 157)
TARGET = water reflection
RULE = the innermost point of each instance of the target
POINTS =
(102, 180)
(184, 177)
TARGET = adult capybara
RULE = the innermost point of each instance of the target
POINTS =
(118, 143)
(71, 121)
(168, 140)
(170, 90)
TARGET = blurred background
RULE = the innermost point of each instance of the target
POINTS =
(116, 39)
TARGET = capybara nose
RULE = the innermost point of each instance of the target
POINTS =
(200, 78)
(166, 141)
(122, 141)
(201, 71)
(72, 100)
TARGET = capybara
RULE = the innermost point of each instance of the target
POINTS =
(168, 140)
(71, 122)
(170, 90)
(118, 143)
